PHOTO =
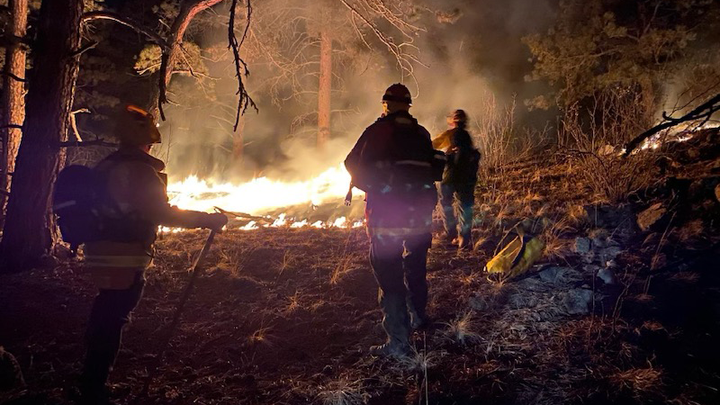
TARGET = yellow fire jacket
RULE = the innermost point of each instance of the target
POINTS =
(443, 141)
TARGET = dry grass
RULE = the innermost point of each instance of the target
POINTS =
(576, 215)
(343, 268)
(612, 178)
(262, 336)
(293, 303)
(233, 259)
(472, 278)
(557, 244)
(686, 277)
(463, 330)
(640, 380)
(587, 136)
(419, 361)
(343, 392)
(288, 260)
(499, 139)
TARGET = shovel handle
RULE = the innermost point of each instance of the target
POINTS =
(196, 270)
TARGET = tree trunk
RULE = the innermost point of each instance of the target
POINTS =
(13, 95)
(325, 86)
(29, 231)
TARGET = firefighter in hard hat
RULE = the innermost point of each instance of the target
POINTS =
(459, 179)
(395, 164)
(134, 203)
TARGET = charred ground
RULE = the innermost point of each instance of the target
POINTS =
(284, 316)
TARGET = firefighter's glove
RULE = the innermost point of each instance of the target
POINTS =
(215, 221)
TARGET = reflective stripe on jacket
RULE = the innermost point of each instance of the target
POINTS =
(114, 265)
(118, 261)
(397, 232)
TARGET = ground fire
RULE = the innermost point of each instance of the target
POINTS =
(331, 185)
(359, 202)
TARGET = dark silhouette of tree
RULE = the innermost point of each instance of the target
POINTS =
(28, 233)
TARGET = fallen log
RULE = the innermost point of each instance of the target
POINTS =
(703, 112)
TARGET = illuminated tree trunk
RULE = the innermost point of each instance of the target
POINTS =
(325, 86)
(29, 232)
(13, 95)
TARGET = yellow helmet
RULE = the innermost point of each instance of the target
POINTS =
(136, 127)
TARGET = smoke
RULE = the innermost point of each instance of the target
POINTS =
(473, 56)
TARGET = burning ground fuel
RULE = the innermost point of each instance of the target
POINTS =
(262, 202)
(621, 308)
(261, 194)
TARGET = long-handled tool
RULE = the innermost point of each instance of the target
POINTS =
(195, 270)
(349, 195)
(247, 217)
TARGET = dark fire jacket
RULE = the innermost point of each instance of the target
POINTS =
(392, 163)
(136, 204)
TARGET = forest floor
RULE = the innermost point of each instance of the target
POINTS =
(612, 313)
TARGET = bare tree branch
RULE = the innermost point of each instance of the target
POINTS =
(14, 77)
(73, 122)
(188, 11)
(85, 48)
(405, 60)
(243, 98)
(108, 15)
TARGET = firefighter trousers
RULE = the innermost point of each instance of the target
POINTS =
(110, 312)
(400, 266)
(465, 194)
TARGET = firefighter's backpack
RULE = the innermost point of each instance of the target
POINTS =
(76, 202)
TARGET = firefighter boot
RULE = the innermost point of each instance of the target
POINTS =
(391, 348)
(396, 323)
(419, 321)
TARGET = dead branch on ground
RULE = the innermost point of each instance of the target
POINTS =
(702, 113)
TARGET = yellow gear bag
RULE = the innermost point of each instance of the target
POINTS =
(516, 258)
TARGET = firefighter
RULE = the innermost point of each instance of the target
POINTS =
(459, 179)
(134, 204)
(393, 162)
